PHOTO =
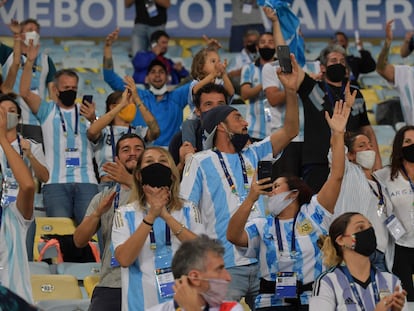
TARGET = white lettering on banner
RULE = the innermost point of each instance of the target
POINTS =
(15, 11)
(366, 14)
(206, 13)
(121, 19)
(65, 13)
(222, 14)
(406, 10)
(326, 12)
(302, 11)
(41, 9)
(88, 19)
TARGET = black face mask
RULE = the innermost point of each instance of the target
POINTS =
(251, 48)
(366, 242)
(239, 141)
(336, 72)
(67, 97)
(408, 153)
(267, 53)
(156, 175)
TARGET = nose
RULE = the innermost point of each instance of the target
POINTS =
(226, 275)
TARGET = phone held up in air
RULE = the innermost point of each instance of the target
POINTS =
(283, 55)
(87, 98)
(265, 170)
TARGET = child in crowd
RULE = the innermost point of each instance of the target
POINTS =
(206, 68)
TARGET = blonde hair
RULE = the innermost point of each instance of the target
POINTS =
(199, 60)
(330, 256)
(137, 193)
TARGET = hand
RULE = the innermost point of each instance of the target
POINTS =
(157, 198)
(290, 80)
(186, 295)
(258, 187)
(130, 86)
(15, 27)
(271, 14)
(106, 203)
(26, 147)
(178, 66)
(211, 42)
(3, 122)
(339, 117)
(32, 51)
(112, 37)
(87, 110)
(185, 150)
(388, 31)
(408, 36)
(117, 172)
(349, 98)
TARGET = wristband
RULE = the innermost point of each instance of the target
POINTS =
(147, 222)
(180, 230)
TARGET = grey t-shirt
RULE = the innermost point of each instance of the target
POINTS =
(110, 277)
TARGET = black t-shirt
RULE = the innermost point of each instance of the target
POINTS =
(142, 17)
(317, 98)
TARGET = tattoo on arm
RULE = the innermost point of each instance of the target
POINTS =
(383, 57)
(108, 63)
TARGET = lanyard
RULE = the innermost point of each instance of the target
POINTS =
(279, 235)
(351, 281)
(113, 144)
(379, 195)
(330, 95)
(153, 245)
(62, 121)
(408, 177)
(226, 171)
(116, 199)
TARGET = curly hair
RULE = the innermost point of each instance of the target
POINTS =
(197, 66)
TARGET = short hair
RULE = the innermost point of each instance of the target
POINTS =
(207, 89)
(340, 33)
(127, 136)
(65, 72)
(112, 99)
(11, 97)
(30, 21)
(156, 35)
(251, 32)
(192, 255)
(323, 57)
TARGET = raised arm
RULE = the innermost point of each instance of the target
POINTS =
(25, 196)
(32, 99)
(383, 68)
(110, 77)
(10, 79)
(281, 137)
(329, 192)
(153, 129)
(406, 47)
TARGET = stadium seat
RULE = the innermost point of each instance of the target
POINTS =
(64, 305)
(51, 225)
(89, 282)
(55, 287)
(79, 270)
(385, 136)
(39, 267)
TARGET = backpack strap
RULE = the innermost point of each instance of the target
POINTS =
(48, 244)
(95, 251)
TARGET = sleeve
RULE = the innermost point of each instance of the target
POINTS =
(192, 181)
(45, 109)
(245, 75)
(367, 63)
(120, 230)
(93, 205)
(52, 70)
(142, 60)
(269, 77)
(113, 79)
(361, 106)
(37, 151)
(180, 94)
(316, 213)
(253, 245)
(189, 217)
(306, 87)
(323, 296)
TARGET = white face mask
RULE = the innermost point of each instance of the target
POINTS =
(158, 92)
(279, 202)
(366, 158)
(12, 120)
(216, 292)
(31, 35)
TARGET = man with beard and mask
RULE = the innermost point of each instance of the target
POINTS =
(319, 97)
(352, 283)
(364, 63)
(159, 47)
(72, 183)
(166, 106)
(43, 71)
(216, 181)
(201, 278)
(259, 110)
(100, 214)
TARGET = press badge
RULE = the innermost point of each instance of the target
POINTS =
(395, 227)
(286, 284)
(72, 157)
(247, 7)
(165, 282)
(151, 8)
(268, 115)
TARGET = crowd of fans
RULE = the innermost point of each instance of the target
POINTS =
(183, 218)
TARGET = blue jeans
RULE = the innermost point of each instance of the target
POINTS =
(68, 200)
(244, 283)
(140, 37)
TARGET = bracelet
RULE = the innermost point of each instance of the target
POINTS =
(139, 104)
(180, 230)
(147, 222)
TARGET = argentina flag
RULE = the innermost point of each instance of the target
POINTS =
(290, 26)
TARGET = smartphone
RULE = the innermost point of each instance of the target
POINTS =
(265, 170)
(283, 55)
(87, 98)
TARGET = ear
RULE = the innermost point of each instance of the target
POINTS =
(322, 68)
(221, 127)
(339, 240)
(54, 89)
(194, 278)
(351, 156)
(293, 195)
(197, 112)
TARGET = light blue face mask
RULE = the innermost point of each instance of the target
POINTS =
(280, 201)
